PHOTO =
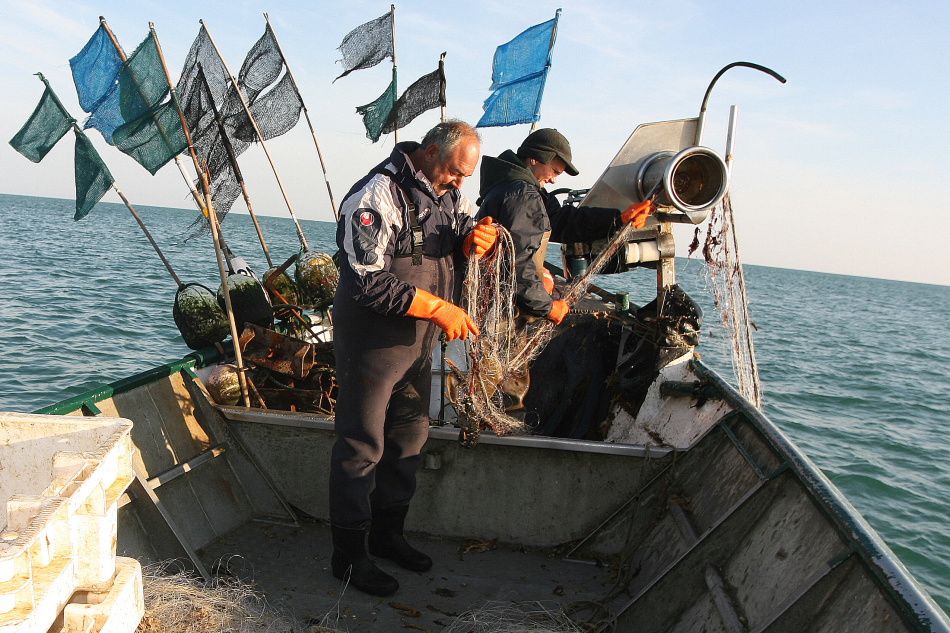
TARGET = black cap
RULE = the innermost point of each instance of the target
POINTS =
(545, 144)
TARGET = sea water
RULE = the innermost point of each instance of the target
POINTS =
(855, 370)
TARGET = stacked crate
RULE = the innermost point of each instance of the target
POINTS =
(60, 482)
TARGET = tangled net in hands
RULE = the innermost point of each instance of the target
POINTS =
(500, 358)
(477, 395)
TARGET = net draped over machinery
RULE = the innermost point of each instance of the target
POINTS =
(489, 290)
(502, 356)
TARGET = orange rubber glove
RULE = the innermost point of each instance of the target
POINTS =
(559, 310)
(454, 321)
(482, 238)
(637, 213)
(547, 280)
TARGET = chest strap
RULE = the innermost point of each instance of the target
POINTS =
(415, 227)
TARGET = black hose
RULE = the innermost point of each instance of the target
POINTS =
(752, 65)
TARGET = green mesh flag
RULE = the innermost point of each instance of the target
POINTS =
(376, 114)
(154, 138)
(48, 123)
(92, 176)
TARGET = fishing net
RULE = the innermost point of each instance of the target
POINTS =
(154, 138)
(249, 300)
(199, 318)
(317, 278)
(513, 617)
(138, 85)
(500, 358)
(281, 288)
(726, 278)
(46, 126)
(367, 45)
(175, 602)
(478, 396)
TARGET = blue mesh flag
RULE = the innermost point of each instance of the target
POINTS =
(133, 90)
(519, 70)
(95, 69)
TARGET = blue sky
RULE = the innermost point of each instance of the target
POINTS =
(839, 170)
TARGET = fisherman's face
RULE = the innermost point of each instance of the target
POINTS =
(546, 173)
(449, 173)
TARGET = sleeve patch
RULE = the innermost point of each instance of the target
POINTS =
(366, 226)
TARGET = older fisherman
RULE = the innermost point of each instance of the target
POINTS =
(512, 191)
(402, 230)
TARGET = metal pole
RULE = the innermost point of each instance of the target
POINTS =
(232, 158)
(178, 162)
(306, 114)
(392, 12)
(77, 130)
(260, 137)
(212, 220)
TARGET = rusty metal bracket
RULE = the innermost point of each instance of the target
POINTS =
(274, 351)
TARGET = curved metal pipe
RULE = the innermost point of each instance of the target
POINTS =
(722, 71)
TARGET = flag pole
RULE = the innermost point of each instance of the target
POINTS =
(442, 87)
(78, 131)
(306, 114)
(232, 158)
(212, 220)
(178, 162)
(557, 15)
(392, 12)
(260, 137)
(148, 235)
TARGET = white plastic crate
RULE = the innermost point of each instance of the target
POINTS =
(60, 481)
(118, 610)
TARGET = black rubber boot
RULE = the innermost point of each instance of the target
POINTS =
(387, 541)
(350, 562)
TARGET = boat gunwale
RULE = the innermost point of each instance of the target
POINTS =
(450, 433)
(87, 399)
(911, 600)
(915, 604)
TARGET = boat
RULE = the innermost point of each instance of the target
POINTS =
(692, 512)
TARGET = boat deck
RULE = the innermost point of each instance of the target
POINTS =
(291, 567)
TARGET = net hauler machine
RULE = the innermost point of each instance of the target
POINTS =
(666, 161)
